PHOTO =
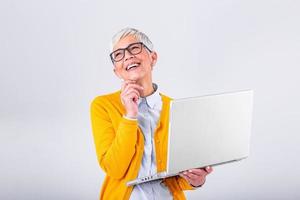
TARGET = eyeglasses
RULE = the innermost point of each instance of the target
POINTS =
(133, 49)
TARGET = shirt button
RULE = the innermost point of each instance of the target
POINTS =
(159, 161)
(158, 141)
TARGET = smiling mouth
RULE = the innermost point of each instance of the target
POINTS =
(132, 66)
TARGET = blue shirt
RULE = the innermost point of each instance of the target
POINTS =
(148, 116)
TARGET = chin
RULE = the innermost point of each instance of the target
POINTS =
(134, 77)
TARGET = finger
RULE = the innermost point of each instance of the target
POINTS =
(135, 86)
(129, 91)
(208, 169)
(199, 172)
(127, 96)
(129, 82)
(125, 83)
(125, 91)
(132, 96)
(192, 176)
(194, 182)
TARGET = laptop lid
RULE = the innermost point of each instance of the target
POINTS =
(209, 130)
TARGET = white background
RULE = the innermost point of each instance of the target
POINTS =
(54, 61)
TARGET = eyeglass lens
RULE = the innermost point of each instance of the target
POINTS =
(133, 49)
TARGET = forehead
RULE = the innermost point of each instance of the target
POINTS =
(124, 42)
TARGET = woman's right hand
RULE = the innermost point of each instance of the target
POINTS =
(130, 93)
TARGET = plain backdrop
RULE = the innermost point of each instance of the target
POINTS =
(54, 62)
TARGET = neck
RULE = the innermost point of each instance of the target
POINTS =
(148, 88)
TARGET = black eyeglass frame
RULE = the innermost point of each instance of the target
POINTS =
(127, 48)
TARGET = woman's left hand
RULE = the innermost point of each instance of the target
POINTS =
(196, 177)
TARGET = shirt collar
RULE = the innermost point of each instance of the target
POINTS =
(153, 99)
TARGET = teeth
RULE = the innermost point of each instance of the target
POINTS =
(132, 65)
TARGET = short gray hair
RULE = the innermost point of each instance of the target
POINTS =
(140, 36)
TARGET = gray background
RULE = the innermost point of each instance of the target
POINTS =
(54, 61)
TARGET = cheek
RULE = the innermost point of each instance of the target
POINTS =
(118, 70)
(119, 67)
(147, 61)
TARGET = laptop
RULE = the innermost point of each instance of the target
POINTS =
(206, 131)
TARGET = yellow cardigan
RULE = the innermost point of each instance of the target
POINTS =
(120, 144)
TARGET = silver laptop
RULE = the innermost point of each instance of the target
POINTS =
(206, 131)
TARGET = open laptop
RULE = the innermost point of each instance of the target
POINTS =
(206, 131)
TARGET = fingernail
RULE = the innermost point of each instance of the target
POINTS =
(190, 171)
(184, 173)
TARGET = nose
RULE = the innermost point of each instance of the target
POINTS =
(127, 55)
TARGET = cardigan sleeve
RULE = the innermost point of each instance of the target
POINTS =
(184, 185)
(115, 147)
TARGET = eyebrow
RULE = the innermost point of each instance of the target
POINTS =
(126, 46)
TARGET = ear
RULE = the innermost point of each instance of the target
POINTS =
(153, 58)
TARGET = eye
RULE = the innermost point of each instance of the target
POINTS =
(118, 54)
(135, 48)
